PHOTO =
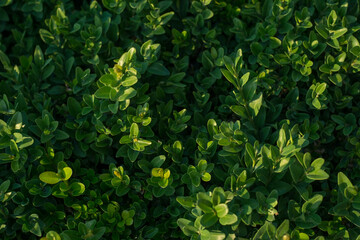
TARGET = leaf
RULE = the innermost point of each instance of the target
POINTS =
(354, 217)
(52, 235)
(336, 79)
(39, 56)
(186, 202)
(108, 80)
(244, 79)
(334, 34)
(77, 189)
(208, 219)
(16, 121)
(250, 150)
(186, 226)
(229, 219)
(221, 210)
(289, 150)
(158, 68)
(239, 110)
(212, 127)
(213, 235)
(68, 64)
(195, 178)
(65, 173)
(73, 106)
(283, 229)
(158, 161)
(322, 31)
(231, 78)
(316, 103)
(129, 81)
(104, 92)
(49, 177)
(48, 70)
(98, 233)
(343, 182)
(320, 88)
(218, 196)
(206, 177)
(205, 205)
(134, 130)
(125, 139)
(4, 186)
(126, 94)
(317, 175)
(157, 172)
(255, 104)
(312, 204)
(5, 3)
(249, 90)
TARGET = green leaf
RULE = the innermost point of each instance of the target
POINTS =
(4, 186)
(255, 104)
(134, 130)
(218, 196)
(195, 178)
(77, 189)
(336, 79)
(186, 202)
(104, 92)
(249, 91)
(334, 34)
(125, 140)
(49, 177)
(129, 81)
(16, 121)
(239, 110)
(73, 106)
(39, 56)
(343, 182)
(158, 161)
(65, 173)
(231, 78)
(322, 31)
(186, 226)
(108, 80)
(126, 94)
(205, 205)
(98, 233)
(52, 235)
(158, 68)
(244, 79)
(317, 175)
(157, 172)
(208, 219)
(229, 219)
(283, 229)
(221, 210)
(312, 204)
(354, 217)
(316, 103)
(206, 177)
(331, 19)
(212, 127)
(320, 88)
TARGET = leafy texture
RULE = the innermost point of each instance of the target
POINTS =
(184, 119)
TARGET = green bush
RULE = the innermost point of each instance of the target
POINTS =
(183, 119)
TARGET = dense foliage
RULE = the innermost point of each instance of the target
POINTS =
(179, 119)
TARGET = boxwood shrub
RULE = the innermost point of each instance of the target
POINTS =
(179, 119)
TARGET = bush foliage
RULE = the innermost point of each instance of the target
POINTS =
(183, 119)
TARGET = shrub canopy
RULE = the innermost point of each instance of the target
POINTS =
(183, 119)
